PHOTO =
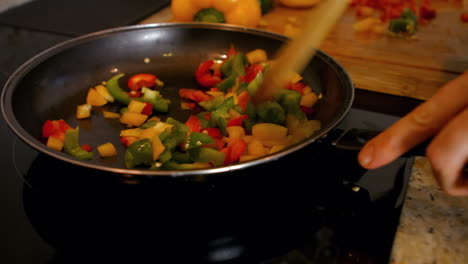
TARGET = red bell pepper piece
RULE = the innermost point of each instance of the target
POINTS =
(307, 110)
(128, 140)
(138, 81)
(207, 77)
(194, 95)
(215, 133)
(237, 121)
(200, 96)
(243, 98)
(148, 109)
(134, 94)
(87, 147)
(187, 93)
(251, 72)
(236, 147)
(299, 86)
(232, 51)
(193, 123)
(55, 128)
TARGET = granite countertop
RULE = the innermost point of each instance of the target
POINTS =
(433, 226)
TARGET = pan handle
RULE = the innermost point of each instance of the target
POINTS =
(355, 138)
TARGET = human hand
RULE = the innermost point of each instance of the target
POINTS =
(444, 117)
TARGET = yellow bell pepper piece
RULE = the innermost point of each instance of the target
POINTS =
(54, 143)
(133, 119)
(94, 98)
(269, 131)
(239, 12)
(83, 111)
(107, 150)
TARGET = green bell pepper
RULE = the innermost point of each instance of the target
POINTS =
(151, 96)
(271, 112)
(139, 152)
(210, 155)
(209, 15)
(72, 146)
(197, 139)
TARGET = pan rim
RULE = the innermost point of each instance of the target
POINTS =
(26, 67)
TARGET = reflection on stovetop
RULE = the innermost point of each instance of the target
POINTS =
(314, 206)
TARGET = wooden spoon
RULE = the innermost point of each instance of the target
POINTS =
(297, 53)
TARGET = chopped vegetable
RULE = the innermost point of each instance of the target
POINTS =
(138, 81)
(94, 98)
(107, 150)
(72, 147)
(223, 126)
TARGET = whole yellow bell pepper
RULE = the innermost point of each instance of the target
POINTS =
(239, 12)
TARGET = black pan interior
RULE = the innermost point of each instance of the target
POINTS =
(53, 83)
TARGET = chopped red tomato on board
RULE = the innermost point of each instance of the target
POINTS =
(138, 81)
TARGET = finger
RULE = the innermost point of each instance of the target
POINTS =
(448, 154)
(420, 124)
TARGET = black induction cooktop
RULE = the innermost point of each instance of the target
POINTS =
(316, 206)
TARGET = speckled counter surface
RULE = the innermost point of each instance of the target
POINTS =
(433, 225)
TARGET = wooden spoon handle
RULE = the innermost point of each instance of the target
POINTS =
(297, 53)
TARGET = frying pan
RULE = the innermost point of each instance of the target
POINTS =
(51, 84)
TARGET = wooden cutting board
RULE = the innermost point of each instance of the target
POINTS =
(414, 67)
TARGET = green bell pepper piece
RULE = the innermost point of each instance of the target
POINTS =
(148, 124)
(221, 111)
(197, 139)
(72, 146)
(202, 154)
(114, 89)
(154, 97)
(290, 101)
(209, 15)
(234, 70)
(138, 153)
(271, 112)
(255, 83)
(151, 96)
